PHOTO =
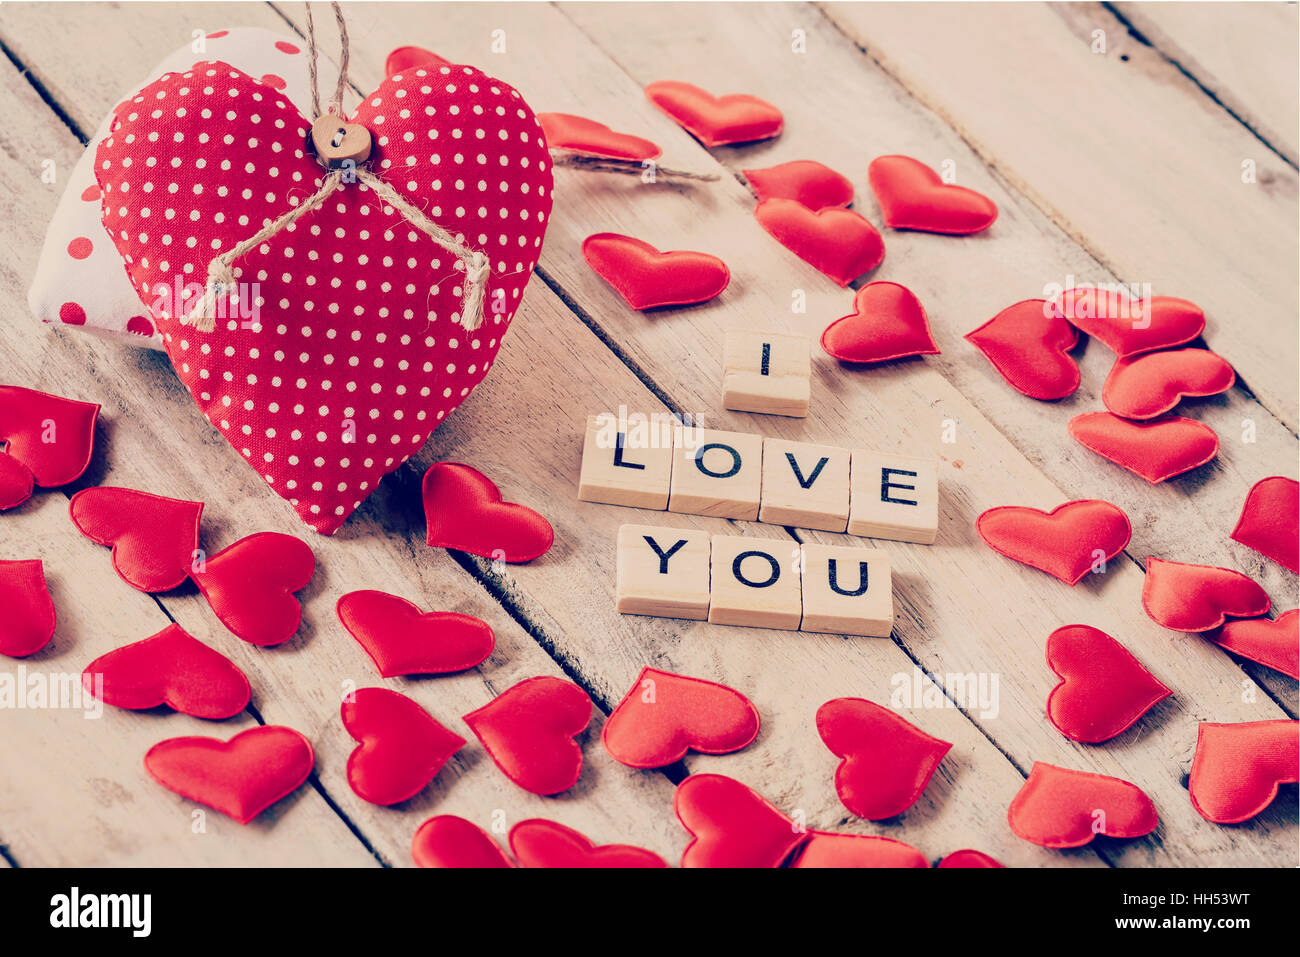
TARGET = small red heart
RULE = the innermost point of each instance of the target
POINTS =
(887, 760)
(838, 243)
(1238, 767)
(529, 730)
(857, 850)
(1130, 326)
(28, 622)
(969, 858)
(649, 279)
(402, 640)
(402, 748)
(450, 841)
(541, 843)
(53, 436)
(250, 586)
(1063, 542)
(805, 181)
(155, 539)
(887, 322)
(565, 131)
(16, 482)
(1270, 521)
(1103, 689)
(241, 777)
(413, 58)
(1150, 384)
(913, 196)
(1198, 597)
(1029, 345)
(1058, 808)
(170, 668)
(716, 120)
(1155, 450)
(665, 715)
(732, 826)
(1274, 643)
(463, 510)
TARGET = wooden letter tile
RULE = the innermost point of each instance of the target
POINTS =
(663, 572)
(847, 591)
(766, 372)
(626, 463)
(755, 582)
(894, 497)
(716, 473)
(805, 485)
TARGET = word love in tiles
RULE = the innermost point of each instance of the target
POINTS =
(658, 462)
(759, 582)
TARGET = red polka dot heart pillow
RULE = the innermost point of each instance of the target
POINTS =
(341, 345)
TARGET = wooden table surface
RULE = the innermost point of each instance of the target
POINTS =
(1116, 166)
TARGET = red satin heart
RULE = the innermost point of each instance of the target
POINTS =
(805, 181)
(1150, 384)
(1130, 326)
(969, 858)
(53, 436)
(250, 586)
(665, 715)
(463, 510)
(887, 760)
(732, 826)
(529, 731)
(1058, 808)
(565, 131)
(1063, 542)
(1270, 521)
(28, 621)
(887, 322)
(1155, 450)
(716, 120)
(413, 58)
(649, 279)
(155, 539)
(16, 482)
(1029, 345)
(241, 777)
(838, 243)
(1198, 597)
(1274, 643)
(1238, 767)
(170, 668)
(402, 640)
(913, 196)
(1103, 689)
(541, 843)
(450, 841)
(857, 850)
(401, 749)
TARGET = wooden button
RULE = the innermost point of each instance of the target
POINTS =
(337, 142)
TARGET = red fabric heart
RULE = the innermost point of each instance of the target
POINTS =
(887, 760)
(1150, 384)
(838, 243)
(1238, 767)
(250, 586)
(887, 322)
(53, 436)
(664, 715)
(857, 850)
(732, 826)
(403, 59)
(1198, 597)
(969, 858)
(1062, 542)
(716, 120)
(541, 843)
(170, 668)
(565, 131)
(16, 482)
(529, 731)
(155, 539)
(402, 640)
(401, 746)
(1029, 345)
(1103, 689)
(1057, 808)
(649, 279)
(1130, 326)
(28, 622)
(241, 777)
(913, 196)
(463, 510)
(450, 841)
(805, 181)
(1155, 450)
(1270, 521)
(1275, 643)
(357, 350)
